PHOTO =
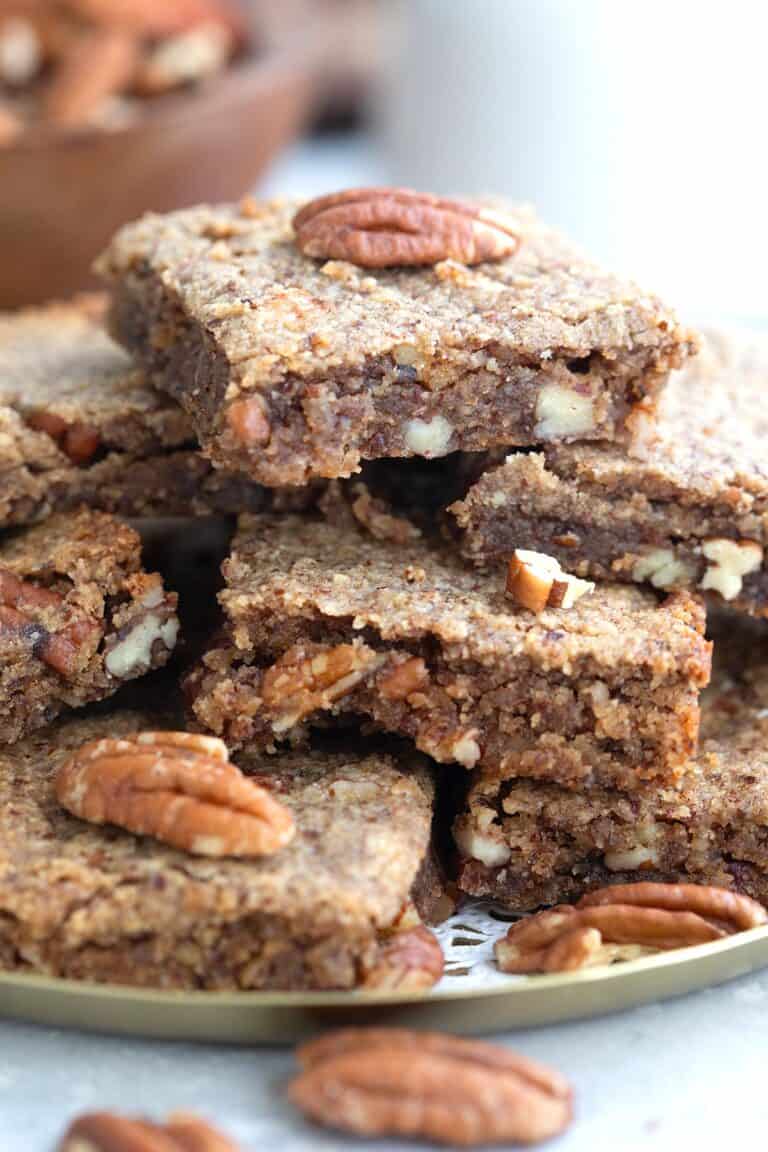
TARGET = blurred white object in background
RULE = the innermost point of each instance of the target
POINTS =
(637, 128)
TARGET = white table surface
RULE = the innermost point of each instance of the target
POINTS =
(689, 1074)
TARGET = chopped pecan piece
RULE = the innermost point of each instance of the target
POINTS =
(408, 960)
(106, 1132)
(400, 681)
(393, 1082)
(386, 227)
(308, 678)
(151, 630)
(643, 916)
(185, 58)
(536, 581)
(78, 441)
(177, 787)
(248, 420)
(64, 650)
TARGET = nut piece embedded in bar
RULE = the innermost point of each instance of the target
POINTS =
(537, 581)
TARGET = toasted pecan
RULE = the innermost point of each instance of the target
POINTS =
(386, 227)
(177, 787)
(638, 918)
(99, 65)
(77, 440)
(108, 1132)
(536, 581)
(408, 960)
(394, 1082)
(23, 603)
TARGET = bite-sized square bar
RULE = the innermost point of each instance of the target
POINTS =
(688, 508)
(78, 617)
(79, 425)
(526, 842)
(323, 620)
(293, 367)
(95, 903)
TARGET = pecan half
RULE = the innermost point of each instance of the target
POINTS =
(99, 65)
(106, 1132)
(393, 1082)
(177, 787)
(386, 227)
(309, 678)
(638, 918)
(21, 605)
(408, 960)
(536, 581)
(737, 912)
(146, 18)
(79, 441)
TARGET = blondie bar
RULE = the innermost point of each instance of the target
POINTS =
(86, 902)
(78, 617)
(79, 425)
(323, 620)
(687, 509)
(526, 842)
(293, 367)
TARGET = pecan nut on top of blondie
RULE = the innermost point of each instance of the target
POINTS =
(303, 339)
(88, 902)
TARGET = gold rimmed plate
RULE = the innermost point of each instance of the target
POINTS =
(461, 1003)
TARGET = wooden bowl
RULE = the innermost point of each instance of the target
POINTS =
(63, 196)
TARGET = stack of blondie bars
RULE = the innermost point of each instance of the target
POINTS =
(486, 494)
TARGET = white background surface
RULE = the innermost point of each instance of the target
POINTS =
(635, 128)
(687, 1075)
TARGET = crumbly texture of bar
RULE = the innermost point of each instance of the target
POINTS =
(96, 903)
(343, 364)
(687, 509)
(78, 617)
(324, 620)
(79, 425)
(527, 843)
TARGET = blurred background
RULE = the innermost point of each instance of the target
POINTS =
(638, 129)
